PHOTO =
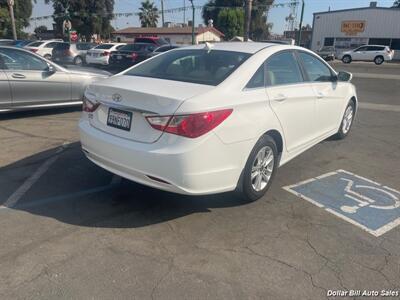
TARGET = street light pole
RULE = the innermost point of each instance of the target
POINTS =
(11, 7)
(193, 12)
(301, 23)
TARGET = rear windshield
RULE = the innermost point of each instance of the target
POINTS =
(134, 47)
(196, 66)
(104, 46)
(35, 44)
(62, 46)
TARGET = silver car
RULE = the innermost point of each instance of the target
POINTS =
(30, 81)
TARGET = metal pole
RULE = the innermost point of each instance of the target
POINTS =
(193, 11)
(301, 23)
(247, 22)
(11, 6)
(162, 12)
(184, 11)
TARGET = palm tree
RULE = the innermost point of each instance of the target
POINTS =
(396, 4)
(148, 14)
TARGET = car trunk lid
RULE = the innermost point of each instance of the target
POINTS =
(133, 98)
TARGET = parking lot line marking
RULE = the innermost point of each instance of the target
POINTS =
(28, 183)
(379, 107)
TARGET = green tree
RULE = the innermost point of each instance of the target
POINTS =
(258, 27)
(231, 22)
(38, 30)
(148, 14)
(396, 4)
(22, 13)
(88, 17)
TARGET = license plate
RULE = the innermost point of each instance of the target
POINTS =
(119, 56)
(120, 119)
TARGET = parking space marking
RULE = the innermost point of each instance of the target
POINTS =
(360, 201)
(380, 107)
(28, 183)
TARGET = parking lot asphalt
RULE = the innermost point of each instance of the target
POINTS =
(71, 230)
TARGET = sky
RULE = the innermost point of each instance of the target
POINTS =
(276, 15)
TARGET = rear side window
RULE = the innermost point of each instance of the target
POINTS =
(282, 68)
(35, 44)
(20, 60)
(375, 48)
(316, 70)
(104, 46)
(258, 79)
(196, 66)
(62, 46)
(51, 45)
(84, 46)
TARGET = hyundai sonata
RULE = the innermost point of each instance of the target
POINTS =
(214, 118)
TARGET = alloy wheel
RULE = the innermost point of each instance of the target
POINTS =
(262, 168)
(348, 119)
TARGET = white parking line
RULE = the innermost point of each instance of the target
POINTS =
(381, 107)
(20, 192)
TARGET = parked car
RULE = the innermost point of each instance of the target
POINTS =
(71, 53)
(158, 41)
(214, 118)
(6, 42)
(43, 48)
(376, 53)
(327, 52)
(162, 49)
(130, 55)
(100, 54)
(29, 81)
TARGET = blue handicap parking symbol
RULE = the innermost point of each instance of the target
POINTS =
(362, 202)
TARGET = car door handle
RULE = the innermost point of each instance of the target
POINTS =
(18, 75)
(280, 98)
(320, 95)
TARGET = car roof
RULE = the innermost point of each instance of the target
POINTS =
(247, 47)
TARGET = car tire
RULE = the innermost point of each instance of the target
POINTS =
(78, 61)
(47, 56)
(346, 59)
(259, 170)
(347, 121)
(379, 60)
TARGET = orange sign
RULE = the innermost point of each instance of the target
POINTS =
(353, 27)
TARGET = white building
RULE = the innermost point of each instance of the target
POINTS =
(350, 28)
(174, 35)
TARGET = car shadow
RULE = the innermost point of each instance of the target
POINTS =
(39, 112)
(75, 191)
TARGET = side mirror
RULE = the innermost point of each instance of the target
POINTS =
(344, 76)
(50, 69)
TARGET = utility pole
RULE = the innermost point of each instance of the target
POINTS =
(301, 23)
(162, 13)
(184, 11)
(11, 7)
(193, 12)
(247, 21)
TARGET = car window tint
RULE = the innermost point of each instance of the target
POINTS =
(119, 47)
(197, 66)
(19, 60)
(258, 79)
(51, 45)
(84, 46)
(282, 68)
(35, 44)
(364, 48)
(316, 70)
(104, 46)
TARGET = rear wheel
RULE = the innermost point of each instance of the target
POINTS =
(260, 169)
(346, 59)
(347, 121)
(379, 60)
(78, 61)
(47, 56)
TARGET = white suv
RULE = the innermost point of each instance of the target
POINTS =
(43, 48)
(376, 53)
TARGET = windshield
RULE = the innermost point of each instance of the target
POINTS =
(197, 66)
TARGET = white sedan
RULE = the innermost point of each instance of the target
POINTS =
(100, 54)
(215, 118)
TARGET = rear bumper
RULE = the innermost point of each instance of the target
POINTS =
(185, 166)
(102, 60)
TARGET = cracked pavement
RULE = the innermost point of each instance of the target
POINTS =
(73, 235)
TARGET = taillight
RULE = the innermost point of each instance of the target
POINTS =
(88, 105)
(34, 50)
(192, 125)
(105, 53)
(134, 56)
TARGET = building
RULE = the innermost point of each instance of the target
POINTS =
(305, 37)
(174, 35)
(350, 28)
